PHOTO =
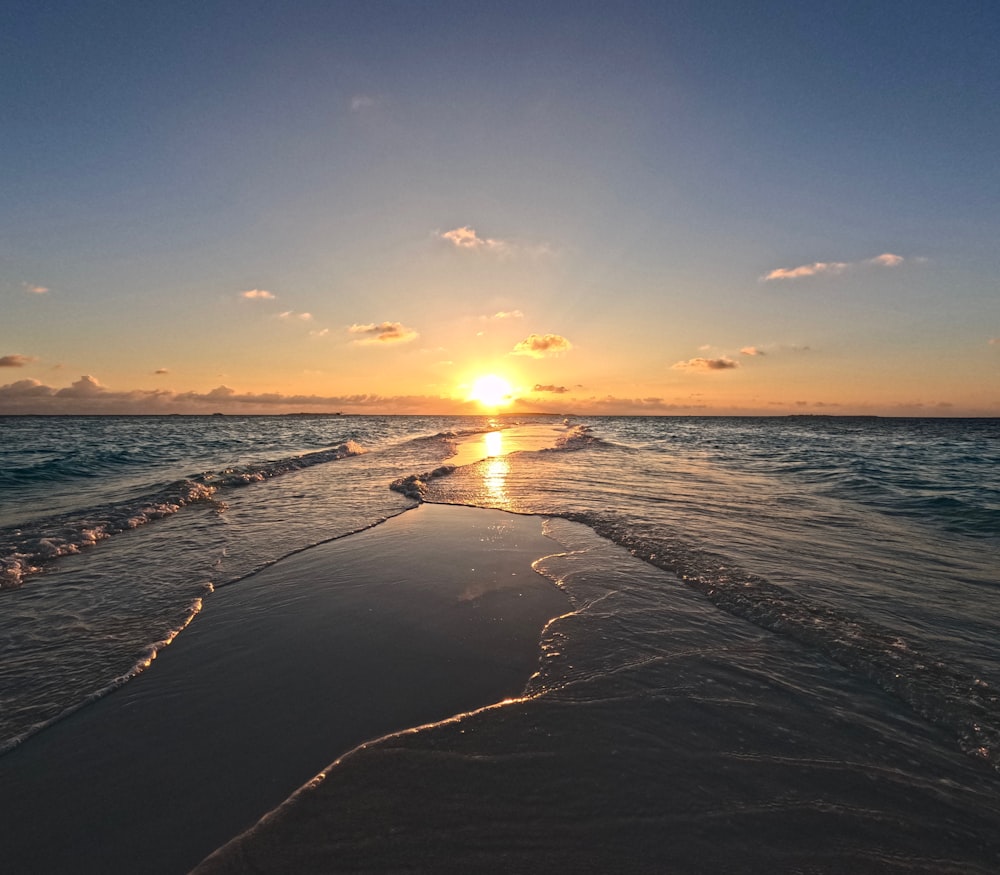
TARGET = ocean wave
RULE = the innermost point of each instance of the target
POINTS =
(142, 663)
(580, 437)
(24, 550)
(942, 691)
(415, 485)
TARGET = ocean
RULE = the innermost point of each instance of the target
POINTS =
(781, 654)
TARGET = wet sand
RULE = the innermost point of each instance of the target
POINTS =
(434, 613)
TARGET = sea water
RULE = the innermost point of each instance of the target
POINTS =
(835, 580)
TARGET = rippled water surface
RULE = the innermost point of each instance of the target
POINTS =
(823, 592)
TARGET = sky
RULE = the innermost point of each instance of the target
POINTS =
(611, 208)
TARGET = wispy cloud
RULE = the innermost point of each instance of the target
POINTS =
(886, 259)
(322, 332)
(289, 316)
(507, 314)
(542, 345)
(610, 404)
(555, 390)
(160, 371)
(752, 351)
(706, 365)
(383, 332)
(34, 289)
(15, 360)
(361, 101)
(467, 238)
(258, 294)
(994, 340)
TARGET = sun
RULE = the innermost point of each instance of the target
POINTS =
(491, 391)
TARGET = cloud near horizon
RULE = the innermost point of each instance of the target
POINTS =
(88, 395)
(16, 360)
(886, 259)
(706, 365)
(258, 294)
(555, 390)
(383, 332)
(542, 345)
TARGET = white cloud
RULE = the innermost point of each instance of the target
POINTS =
(508, 314)
(383, 332)
(258, 294)
(289, 315)
(541, 345)
(817, 267)
(467, 238)
(361, 101)
(886, 259)
(15, 360)
(322, 332)
(706, 365)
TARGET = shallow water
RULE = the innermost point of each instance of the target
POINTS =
(789, 597)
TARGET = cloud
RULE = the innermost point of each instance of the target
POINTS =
(383, 332)
(322, 332)
(556, 390)
(361, 101)
(289, 315)
(35, 290)
(703, 364)
(467, 238)
(15, 360)
(994, 341)
(507, 314)
(87, 395)
(817, 267)
(161, 371)
(610, 404)
(258, 294)
(886, 259)
(752, 350)
(85, 387)
(541, 345)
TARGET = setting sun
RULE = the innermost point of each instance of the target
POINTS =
(491, 391)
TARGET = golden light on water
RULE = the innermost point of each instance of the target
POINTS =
(495, 481)
(494, 443)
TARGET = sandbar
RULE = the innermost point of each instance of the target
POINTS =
(433, 613)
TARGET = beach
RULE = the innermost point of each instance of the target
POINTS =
(688, 755)
(307, 659)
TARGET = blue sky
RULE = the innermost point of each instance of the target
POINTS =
(422, 188)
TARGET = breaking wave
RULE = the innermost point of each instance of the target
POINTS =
(25, 549)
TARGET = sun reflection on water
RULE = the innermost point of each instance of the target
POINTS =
(495, 471)
(494, 443)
